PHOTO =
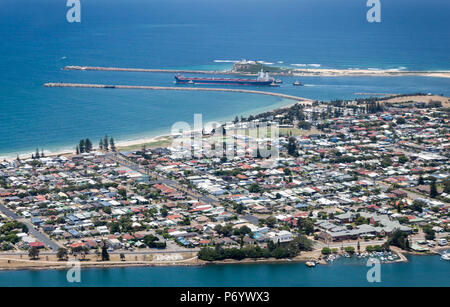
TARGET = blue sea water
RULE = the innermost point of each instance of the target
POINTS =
(37, 42)
(419, 271)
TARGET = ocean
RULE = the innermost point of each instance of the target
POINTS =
(419, 271)
(37, 42)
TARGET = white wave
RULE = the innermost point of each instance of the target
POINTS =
(397, 69)
(226, 61)
(305, 65)
(265, 63)
(280, 62)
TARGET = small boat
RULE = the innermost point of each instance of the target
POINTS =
(278, 81)
(310, 264)
(297, 83)
(445, 256)
(346, 255)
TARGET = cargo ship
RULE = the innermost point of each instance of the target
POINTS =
(262, 79)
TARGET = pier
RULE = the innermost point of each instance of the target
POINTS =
(176, 88)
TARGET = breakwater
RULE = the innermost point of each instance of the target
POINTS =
(295, 72)
(176, 88)
(176, 71)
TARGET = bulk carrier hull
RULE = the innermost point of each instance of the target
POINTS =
(222, 81)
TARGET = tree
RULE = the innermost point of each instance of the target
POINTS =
(430, 234)
(254, 188)
(349, 249)
(239, 208)
(105, 143)
(397, 238)
(81, 146)
(421, 181)
(326, 251)
(33, 253)
(122, 193)
(402, 159)
(114, 227)
(292, 147)
(305, 225)
(77, 150)
(433, 189)
(122, 256)
(88, 145)
(164, 212)
(62, 253)
(208, 254)
(100, 145)
(271, 221)
(112, 144)
(105, 254)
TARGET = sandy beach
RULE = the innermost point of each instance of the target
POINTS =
(368, 72)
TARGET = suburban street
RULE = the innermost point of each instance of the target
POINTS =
(40, 236)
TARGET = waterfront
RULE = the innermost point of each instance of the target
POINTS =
(419, 271)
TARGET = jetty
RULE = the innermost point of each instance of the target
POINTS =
(178, 88)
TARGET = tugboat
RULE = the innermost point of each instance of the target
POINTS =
(297, 83)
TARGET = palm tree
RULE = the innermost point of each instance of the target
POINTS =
(122, 256)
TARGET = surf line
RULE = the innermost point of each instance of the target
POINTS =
(174, 88)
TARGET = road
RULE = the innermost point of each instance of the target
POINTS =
(40, 236)
(119, 158)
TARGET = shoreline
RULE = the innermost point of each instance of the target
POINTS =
(303, 257)
(133, 141)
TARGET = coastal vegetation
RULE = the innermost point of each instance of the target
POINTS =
(253, 251)
(105, 144)
(397, 238)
